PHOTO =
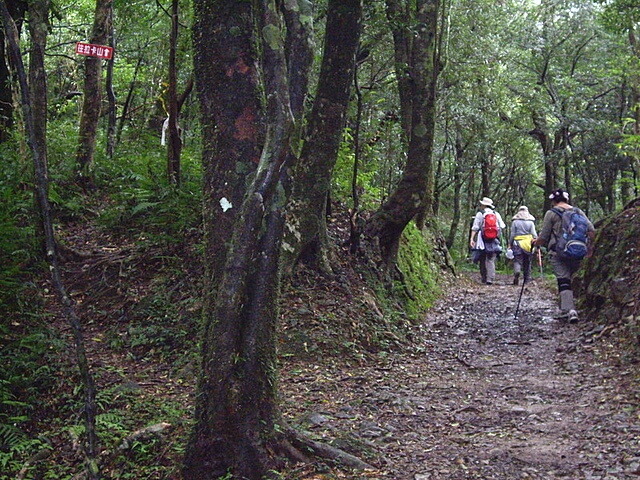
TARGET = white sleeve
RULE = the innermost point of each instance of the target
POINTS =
(477, 222)
(501, 223)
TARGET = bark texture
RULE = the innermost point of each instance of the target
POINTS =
(92, 103)
(16, 11)
(298, 16)
(415, 34)
(306, 234)
(227, 83)
(237, 414)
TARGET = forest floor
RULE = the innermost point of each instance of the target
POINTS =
(472, 391)
(481, 394)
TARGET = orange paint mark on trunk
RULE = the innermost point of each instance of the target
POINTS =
(246, 125)
(238, 67)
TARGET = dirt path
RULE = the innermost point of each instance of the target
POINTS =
(483, 395)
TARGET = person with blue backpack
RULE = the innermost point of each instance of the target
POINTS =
(568, 235)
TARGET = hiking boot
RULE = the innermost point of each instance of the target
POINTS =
(516, 278)
(573, 316)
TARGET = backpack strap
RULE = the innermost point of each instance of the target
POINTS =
(560, 213)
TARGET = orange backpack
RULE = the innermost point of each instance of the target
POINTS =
(490, 228)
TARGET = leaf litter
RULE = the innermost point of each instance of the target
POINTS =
(477, 393)
(471, 391)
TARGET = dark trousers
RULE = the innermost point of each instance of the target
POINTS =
(522, 263)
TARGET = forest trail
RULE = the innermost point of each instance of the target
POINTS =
(480, 395)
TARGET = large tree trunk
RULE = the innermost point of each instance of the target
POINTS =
(238, 428)
(416, 185)
(92, 103)
(237, 414)
(227, 82)
(306, 234)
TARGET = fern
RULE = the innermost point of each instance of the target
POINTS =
(11, 437)
(15, 448)
(110, 421)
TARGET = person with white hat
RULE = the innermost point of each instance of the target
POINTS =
(487, 244)
(523, 233)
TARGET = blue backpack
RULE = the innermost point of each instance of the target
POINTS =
(572, 244)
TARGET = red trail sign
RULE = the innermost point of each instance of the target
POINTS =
(90, 50)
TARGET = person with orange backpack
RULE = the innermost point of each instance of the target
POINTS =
(487, 227)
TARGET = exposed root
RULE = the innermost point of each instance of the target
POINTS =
(313, 448)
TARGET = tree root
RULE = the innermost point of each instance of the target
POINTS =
(143, 434)
(303, 443)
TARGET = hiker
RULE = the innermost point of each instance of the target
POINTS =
(487, 247)
(561, 237)
(523, 233)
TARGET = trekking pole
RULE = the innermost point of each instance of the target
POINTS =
(515, 317)
(540, 262)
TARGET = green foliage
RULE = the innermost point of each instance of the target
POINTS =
(16, 447)
(17, 232)
(26, 345)
(620, 15)
(420, 269)
(343, 176)
(25, 382)
(374, 176)
(116, 424)
(143, 201)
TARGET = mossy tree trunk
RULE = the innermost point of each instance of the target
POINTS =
(92, 101)
(306, 235)
(238, 421)
(416, 42)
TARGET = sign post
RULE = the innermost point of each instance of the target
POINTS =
(90, 50)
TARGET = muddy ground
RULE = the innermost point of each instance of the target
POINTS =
(480, 394)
